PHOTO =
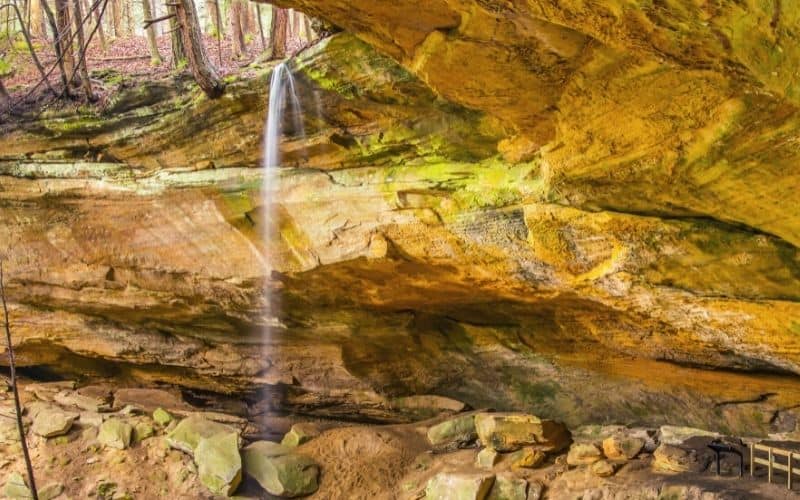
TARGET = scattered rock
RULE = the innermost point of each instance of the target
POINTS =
(458, 486)
(671, 458)
(52, 422)
(427, 403)
(218, 462)
(150, 399)
(189, 431)
(51, 491)
(91, 418)
(535, 490)
(487, 458)
(604, 468)
(511, 431)
(115, 433)
(299, 434)
(508, 487)
(16, 488)
(162, 417)
(622, 447)
(528, 458)
(89, 402)
(142, 431)
(670, 434)
(279, 471)
(583, 454)
(455, 430)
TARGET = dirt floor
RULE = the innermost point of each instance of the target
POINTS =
(356, 461)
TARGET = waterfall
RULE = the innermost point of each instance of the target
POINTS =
(284, 109)
(282, 99)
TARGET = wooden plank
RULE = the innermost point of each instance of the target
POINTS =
(769, 467)
(775, 451)
(776, 465)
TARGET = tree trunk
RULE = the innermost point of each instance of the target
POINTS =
(65, 35)
(235, 18)
(77, 16)
(278, 32)
(261, 27)
(37, 26)
(56, 46)
(116, 18)
(213, 28)
(309, 31)
(155, 57)
(178, 52)
(100, 31)
(130, 29)
(4, 97)
(204, 72)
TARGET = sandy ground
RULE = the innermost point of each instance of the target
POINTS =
(356, 461)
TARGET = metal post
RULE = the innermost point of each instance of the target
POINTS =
(752, 461)
(769, 468)
(789, 471)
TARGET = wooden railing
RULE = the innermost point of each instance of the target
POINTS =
(772, 464)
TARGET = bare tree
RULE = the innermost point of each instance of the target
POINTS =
(260, 27)
(64, 37)
(235, 18)
(279, 32)
(56, 46)
(155, 57)
(204, 72)
(82, 47)
(178, 51)
(12, 366)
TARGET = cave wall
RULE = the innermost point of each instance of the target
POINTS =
(498, 206)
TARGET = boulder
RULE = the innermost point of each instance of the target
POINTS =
(162, 417)
(535, 490)
(583, 454)
(52, 422)
(622, 447)
(299, 434)
(455, 430)
(50, 491)
(142, 431)
(528, 458)
(115, 433)
(459, 486)
(95, 402)
(672, 458)
(280, 471)
(508, 487)
(604, 468)
(219, 463)
(91, 418)
(15, 487)
(189, 431)
(671, 434)
(487, 458)
(511, 431)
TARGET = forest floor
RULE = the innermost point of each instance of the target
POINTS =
(128, 57)
(356, 461)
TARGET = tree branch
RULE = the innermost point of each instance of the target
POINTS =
(13, 380)
(150, 22)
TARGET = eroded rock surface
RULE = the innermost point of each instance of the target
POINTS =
(466, 217)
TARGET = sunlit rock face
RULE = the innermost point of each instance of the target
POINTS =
(591, 215)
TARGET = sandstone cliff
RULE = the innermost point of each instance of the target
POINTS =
(581, 213)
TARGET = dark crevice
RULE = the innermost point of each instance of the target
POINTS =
(761, 398)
